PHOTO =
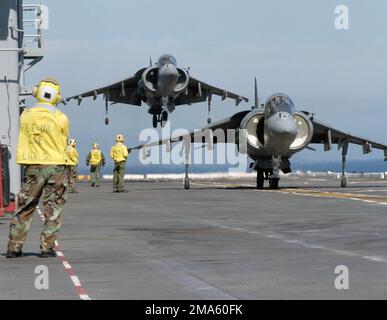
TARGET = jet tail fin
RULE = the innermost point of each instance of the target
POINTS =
(256, 101)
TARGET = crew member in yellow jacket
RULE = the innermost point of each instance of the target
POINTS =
(43, 135)
(95, 159)
(119, 153)
(71, 165)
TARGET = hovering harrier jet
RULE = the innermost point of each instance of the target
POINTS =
(162, 87)
(270, 135)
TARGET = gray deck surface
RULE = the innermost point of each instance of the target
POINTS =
(219, 240)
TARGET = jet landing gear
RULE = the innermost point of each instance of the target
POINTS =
(187, 180)
(155, 120)
(164, 116)
(273, 183)
(263, 175)
(160, 118)
(270, 174)
(260, 179)
(344, 178)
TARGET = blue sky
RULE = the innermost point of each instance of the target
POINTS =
(290, 46)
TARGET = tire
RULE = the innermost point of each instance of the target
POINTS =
(260, 179)
(344, 181)
(164, 116)
(106, 121)
(274, 182)
(187, 184)
(154, 121)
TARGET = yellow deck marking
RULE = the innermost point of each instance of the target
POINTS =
(366, 198)
(337, 195)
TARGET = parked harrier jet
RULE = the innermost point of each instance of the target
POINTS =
(162, 87)
(272, 134)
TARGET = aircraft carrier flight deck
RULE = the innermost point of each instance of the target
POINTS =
(219, 240)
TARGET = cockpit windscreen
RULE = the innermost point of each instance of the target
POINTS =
(278, 103)
(166, 59)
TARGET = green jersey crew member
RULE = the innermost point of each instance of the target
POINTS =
(95, 159)
(43, 136)
(119, 153)
(71, 165)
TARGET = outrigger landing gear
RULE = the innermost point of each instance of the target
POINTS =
(187, 180)
(344, 178)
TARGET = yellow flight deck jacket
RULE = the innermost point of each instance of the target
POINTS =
(43, 136)
(71, 156)
(119, 152)
(95, 157)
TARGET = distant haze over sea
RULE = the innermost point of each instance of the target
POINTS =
(335, 166)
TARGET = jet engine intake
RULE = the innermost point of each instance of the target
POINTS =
(149, 80)
(304, 132)
(182, 82)
(251, 133)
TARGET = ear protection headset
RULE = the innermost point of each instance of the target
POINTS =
(72, 142)
(48, 91)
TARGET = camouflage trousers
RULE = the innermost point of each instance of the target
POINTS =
(118, 175)
(71, 177)
(49, 179)
(95, 172)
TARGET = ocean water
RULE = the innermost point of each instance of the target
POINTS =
(354, 166)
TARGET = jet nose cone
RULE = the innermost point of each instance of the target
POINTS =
(283, 124)
(169, 71)
(282, 129)
(168, 78)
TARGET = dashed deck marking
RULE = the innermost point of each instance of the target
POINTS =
(70, 271)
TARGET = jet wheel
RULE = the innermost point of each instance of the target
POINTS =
(154, 121)
(260, 179)
(274, 183)
(344, 181)
(187, 183)
(164, 116)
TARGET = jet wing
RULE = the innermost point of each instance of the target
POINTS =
(198, 91)
(322, 132)
(198, 134)
(124, 91)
